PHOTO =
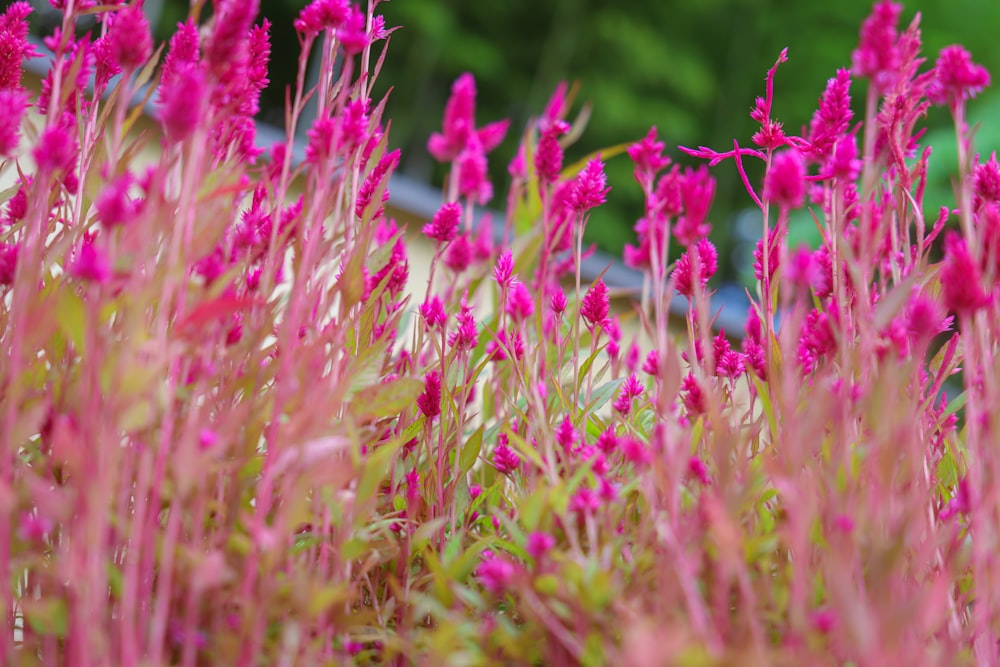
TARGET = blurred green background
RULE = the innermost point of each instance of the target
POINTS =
(690, 67)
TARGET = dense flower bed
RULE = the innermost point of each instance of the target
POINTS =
(228, 436)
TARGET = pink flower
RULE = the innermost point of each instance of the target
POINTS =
(473, 178)
(558, 302)
(459, 255)
(460, 124)
(549, 154)
(585, 502)
(322, 15)
(433, 313)
(630, 390)
(785, 181)
(595, 305)
(648, 157)
(504, 269)
(877, 55)
(693, 397)
(567, 435)
(429, 401)
(706, 256)
(607, 441)
(114, 206)
(14, 44)
(466, 334)
(375, 180)
(960, 278)
(956, 77)
(773, 255)
(90, 263)
(697, 191)
(698, 470)
(8, 262)
(505, 460)
(496, 574)
(651, 366)
(497, 349)
(986, 182)
(130, 43)
(636, 452)
(833, 117)
(520, 302)
(55, 149)
(539, 544)
(444, 225)
(13, 103)
(589, 188)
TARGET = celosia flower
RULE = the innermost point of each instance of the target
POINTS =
(558, 302)
(692, 395)
(444, 225)
(589, 188)
(697, 191)
(322, 15)
(549, 154)
(539, 544)
(698, 470)
(14, 44)
(877, 55)
(636, 452)
(607, 441)
(473, 177)
(207, 439)
(595, 305)
(429, 401)
(647, 155)
(13, 103)
(460, 124)
(55, 149)
(497, 349)
(833, 117)
(585, 502)
(496, 574)
(773, 255)
(130, 43)
(459, 255)
(651, 366)
(707, 262)
(505, 459)
(567, 435)
(433, 313)
(504, 270)
(90, 263)
(376, 179)
(630, 390)
(956, 77)
(520, 302)
(960, 278)
(986, 182)
(816, 340)
(8, 262)
(466, 334)
(114, 206)
(785, 181)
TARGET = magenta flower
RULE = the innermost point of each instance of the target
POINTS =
(375, 180)
(113, 204)
(90, 263)
(14, 44)
(433, 313)
(877, 56)
(692, 395)
(707, 263)
(505, 459)
(444, 225)
(698, 470)
(8, 262)
(696, 189)
(497, 349)
(473, 178)
(549, 154)
(55, 149)
(590, 187)
(496, 574)
(520, 302)
(960, 278)
(785, 181)
(651, 366)
(833, 117)
(558, 302)
(630, 390)
(321, 15)
(585, 502)
(466, 334)
(539, 544)
(567, 435)
(607, 441)
(956, 77)
(647, 155)
(130, 43)
(459, 255)
(13, 103)
(595, 305)
(504, 270)
(986, 182)
(460, 124)
(429, 401)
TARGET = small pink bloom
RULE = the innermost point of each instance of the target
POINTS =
(956, 77)
(459, 255)
(607, 441)
(636, 452)
(90, 263)
(433, 313)
(647, 155)
(567, 435)
(960, 278)
(444, 225)
(505, 459)
(8, 262)
(785, 181)
(55, 149)
(520, 302)
(207, 438)
(697, 191)
(13, 103)
(595, 305)
(322, 15)
(590, 187)
(877, 56)
(706, 256)
(429, 401)
(558, 302)
(698, 470)
(585, 502)
(504, 269)
(539, 544)
(496, 574)
(549, 154)
(130, 43)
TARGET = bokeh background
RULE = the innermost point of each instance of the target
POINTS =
(690, 67)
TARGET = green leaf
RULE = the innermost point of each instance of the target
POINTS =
(49, 617)
(386, 400)
(71, 315)
(470, 453)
